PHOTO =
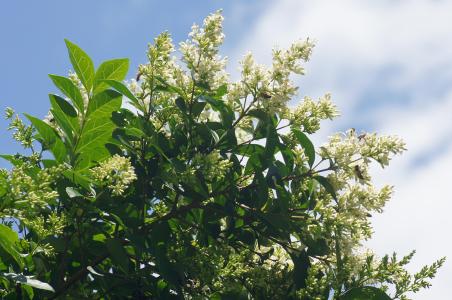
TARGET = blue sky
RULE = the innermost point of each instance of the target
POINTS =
(388, 65)
(32, 34)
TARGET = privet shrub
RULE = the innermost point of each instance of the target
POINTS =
(180, 184)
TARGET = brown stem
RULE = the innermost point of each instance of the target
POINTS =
(78, 276)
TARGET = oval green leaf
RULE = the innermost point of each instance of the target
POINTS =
(82, 63)
(365, 293)
(307, 145)
(115, 69)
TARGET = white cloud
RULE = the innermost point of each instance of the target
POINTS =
(356, 37)
(418, 216)
(378, 48)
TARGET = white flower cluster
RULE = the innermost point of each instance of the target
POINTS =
(284, 64)
(315, 284)
(244, 130)
(308, 114)
(254, 76)
(50, 120)
(134, 87)
(200, 52)
(209, 115)
(359, 200)
(52, 224)
(288, 61)
(9, 113)
(116, 173)
(78, 83)
(271, 88)
(34, 192)
(279, 259)
(352, 153)
(159, 53)
(300, 157)
(254, 79)
(212, 165)
(161, 65)
(44, 227)
(242, 135)
(347, 217)
(350, 213)
(22, 133)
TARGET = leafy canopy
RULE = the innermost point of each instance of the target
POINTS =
(182, 184)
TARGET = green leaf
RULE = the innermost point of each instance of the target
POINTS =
(227, 115)
(15, 160)
(63, 105)
(65, 115)
(3, 190)
(134, 132)
(259, 114)
(46, 132)
(48, 163)
(181, 104)
(166, 268)
(28, 291)
(98, 128)
(115, 69)
(274, 176)
(307, 145)
(272, 141)
(28, 280)
(118, 254)
(365, 293)
(121, 88)
(278, 222)
(68, 88)
(255, 164)
(166, 87)
(249, 149)
(78, 178)
(59, 151)
(327, 185)
(49, 137)
(301, 266)
(82, 63)
(221, 91)
(197, 108)
(317, 247)
(288, 156)
(8, 241)
(247, 236)
(101, 99)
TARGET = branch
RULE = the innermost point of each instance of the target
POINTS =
(78, 276)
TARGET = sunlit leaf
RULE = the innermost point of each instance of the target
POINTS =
(68, 88)
(82, 63)
(307, 145)
(50, 138)
(365, 293)
(115, 69)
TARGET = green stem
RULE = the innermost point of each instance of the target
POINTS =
(340, 266)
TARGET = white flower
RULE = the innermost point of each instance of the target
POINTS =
(272, 88)
(213, 166)
(74, 78)
(200, 52)
(308, 113)
(116, 173)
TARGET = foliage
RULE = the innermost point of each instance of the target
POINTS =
(182, 184)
